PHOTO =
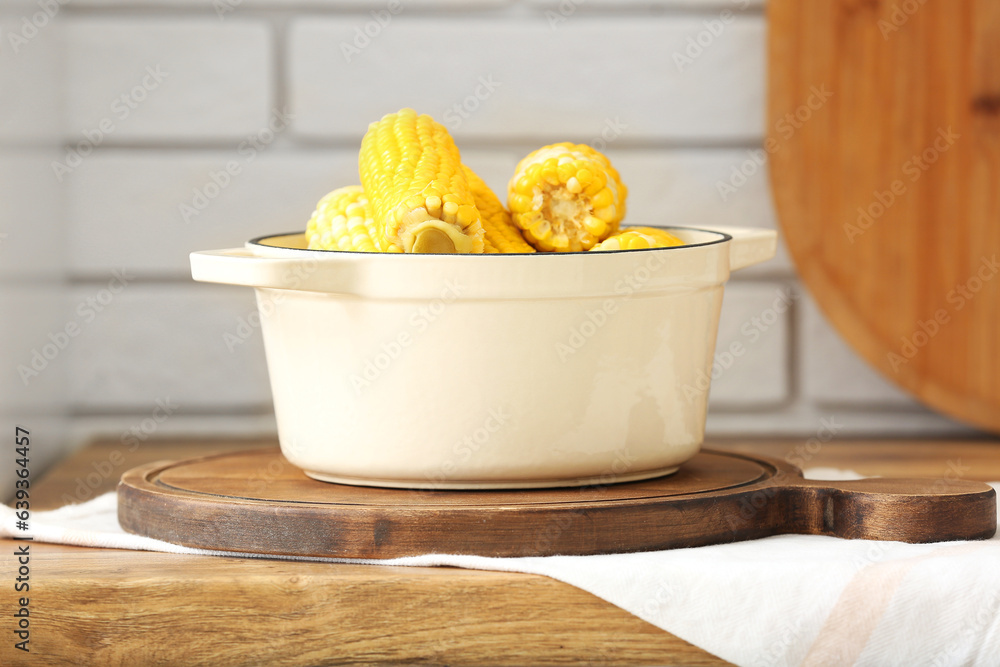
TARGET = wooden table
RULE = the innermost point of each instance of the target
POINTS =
(111, 607)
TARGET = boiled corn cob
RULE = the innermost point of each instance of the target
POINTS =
(502, 236)
(343, 221)
(635, 238)
(566, 197)
(412, 172)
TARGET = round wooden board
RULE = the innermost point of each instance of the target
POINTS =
(257, 502)
(884, 145)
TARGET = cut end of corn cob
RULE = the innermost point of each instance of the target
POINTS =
(566, 197)
(433, 241)
(638, 238)
(422, 233)
(412, 171)
(343, 221)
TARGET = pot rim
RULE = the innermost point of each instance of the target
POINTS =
(723, 237)
(280, 261)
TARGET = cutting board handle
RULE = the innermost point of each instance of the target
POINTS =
(905, 510)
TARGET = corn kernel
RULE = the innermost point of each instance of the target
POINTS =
(603, 199)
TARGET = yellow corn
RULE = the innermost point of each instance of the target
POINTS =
(420, 196)
(635, 238)
(502, 236)
(343, 221)
(566, 197)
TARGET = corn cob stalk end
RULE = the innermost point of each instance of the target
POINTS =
(420, 232)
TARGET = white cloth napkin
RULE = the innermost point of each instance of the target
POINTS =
(783, 600)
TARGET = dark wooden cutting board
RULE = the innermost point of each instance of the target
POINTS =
(884, 145)
(257, 502)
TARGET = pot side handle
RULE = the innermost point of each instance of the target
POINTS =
(238, 266)
(749, 245)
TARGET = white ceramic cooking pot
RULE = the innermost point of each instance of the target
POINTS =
(489, 371)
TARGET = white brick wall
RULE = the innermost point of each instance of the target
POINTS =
(185, 79)
(274, 192)
(31, 76)
(751, 367)
(174, 347)
(32, 215)
(32, 226)
(584, 87)
(565, 71)
(32, 333)
(832, 374)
